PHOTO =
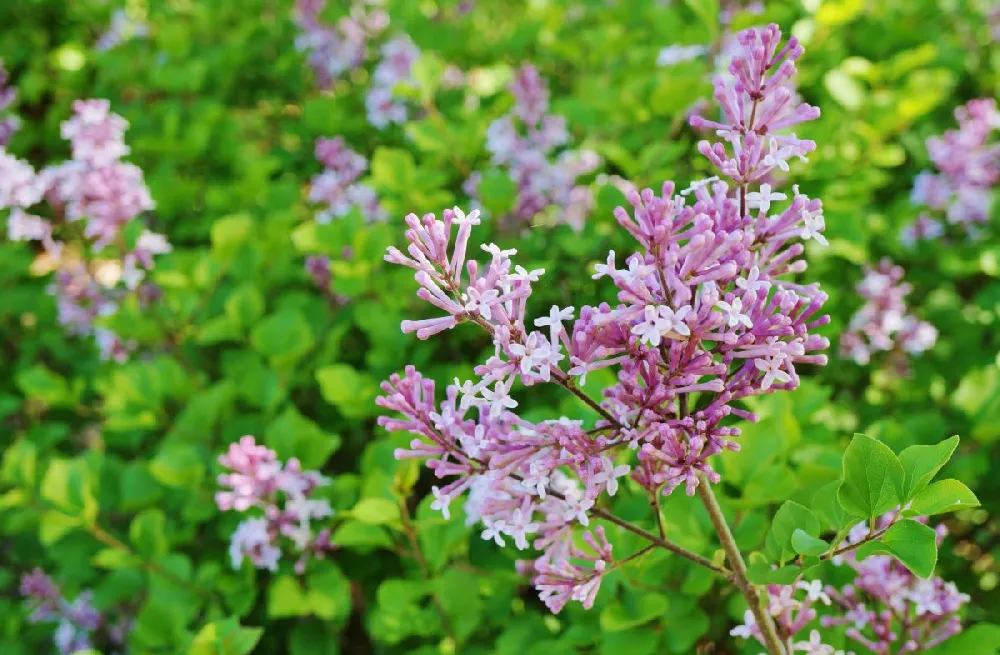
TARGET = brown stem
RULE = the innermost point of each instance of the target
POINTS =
(765, 624)
(662, 543)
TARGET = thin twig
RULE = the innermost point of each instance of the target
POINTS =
(765, 624)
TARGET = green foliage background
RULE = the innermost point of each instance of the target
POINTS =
(108, 471)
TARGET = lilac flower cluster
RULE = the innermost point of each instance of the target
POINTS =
(78, 620)
(337, 186)
(125, 25)
(968, 168)
(95, 187)
(383, 105)
(706, 316)
(791, 616)
(524, 142)
(884, 324)
(889, 609)
(257, 479)
(9, 123)
(334, 50)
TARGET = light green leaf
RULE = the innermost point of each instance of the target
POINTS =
(376, 511)
(913, 544)
(245, 306)
(790, 517)
(350, 391)
(804, 543)
(148, 533)
(922, 463)
(942, 497)
(872, 478)
(633, 612)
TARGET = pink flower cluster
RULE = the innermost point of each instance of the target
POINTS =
(791, 616)
(9, 123)
(525, 142)
(337, 186)
(334, 50)
(77, 620)
(706, 316)
(383, 105)
(257, 479)
(890, 610)
(107, 194)
(884, 324)
(968, 167)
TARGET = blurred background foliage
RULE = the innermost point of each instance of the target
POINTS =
(108, 470)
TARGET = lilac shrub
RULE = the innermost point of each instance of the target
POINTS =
(526, 144)
(107, 195)
(282, 492)
(884, 324)
(968, 167)
(709, 313)
(79, 622)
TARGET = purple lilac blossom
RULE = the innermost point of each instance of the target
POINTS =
(884, 324)
(335, 50)
(792, 612)
(282, 493)
(968, 167)
(107, 194)
(889, 609)
(706, 306)
(125, 26)
(526, 142)
(76, 620)
(337, 186)
(396, 67)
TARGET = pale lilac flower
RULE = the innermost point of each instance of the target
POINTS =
(883, 323)
(678, 54)
(396, 67)
(282, 493)
(968, 167)
(125, 26)
(525, 142)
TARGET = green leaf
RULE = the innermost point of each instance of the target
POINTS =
(828, 510)
(942, 497)
(351, 392)
(632, 612)
(913, 544)
(497, 192)
(922, 463)
(286, 598)
(872, 478)
(285, 336)
(806, 544)
(245, 306)
(844, 88)
(790, 517)
(42, 384)
(376, 511)
(225, 637)
(760, 573)
(68, 486)
(293, 435)
(148, 533)
(229, 233)
(982, 639)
